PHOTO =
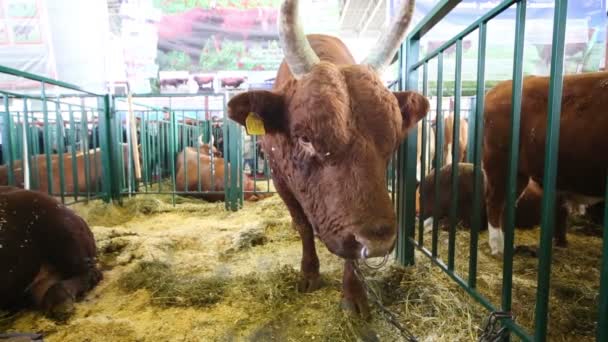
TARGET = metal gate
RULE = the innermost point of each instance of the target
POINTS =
(46, 142)
(411, 235)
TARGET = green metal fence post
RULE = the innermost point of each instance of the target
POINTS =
(509, 213)
(7, 143)
(438, 152)
(455, 157)
(60, 152)
(407, 229)
(478, 196)
(109, 176)
(47, 140)
(550, 169)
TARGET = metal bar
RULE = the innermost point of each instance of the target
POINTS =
(410, 82)
(477, 23)
(60, 152)
(511, 195)
(75, 188)
(86, 155)
(455, 157)
(170, 95)
(26, 137)
(433, 18)
(478, 178)
(438, 153)
(8, 141)
(602, 324)
(110, 181)
(401, 176)
(18, 73)
(144, 148)
(172, 147)
(184, 143)
(425, 83)
(47, 140)
(226, 134)
(550, 169)
(198, 152)
(34, 97)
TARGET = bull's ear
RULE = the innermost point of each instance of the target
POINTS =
(269, 106)
(413, 107)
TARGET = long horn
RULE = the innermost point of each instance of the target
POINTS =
(388, 44)
(299, 55)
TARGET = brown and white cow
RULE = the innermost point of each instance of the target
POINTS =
(48, 253)
(582, 151)
(331, 127)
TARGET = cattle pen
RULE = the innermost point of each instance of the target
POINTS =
(176, 195)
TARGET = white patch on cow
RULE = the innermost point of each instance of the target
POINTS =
(496, 239)
(577, 204)
(428, 225)
(307, 147)
(448, 158)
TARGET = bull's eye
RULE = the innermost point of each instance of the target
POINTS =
(306, 144)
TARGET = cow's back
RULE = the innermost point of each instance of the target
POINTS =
(583, 143)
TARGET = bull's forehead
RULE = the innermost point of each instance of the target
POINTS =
(333, 104)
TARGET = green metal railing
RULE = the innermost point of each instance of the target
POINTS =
(411, 65)
(44, 139)
(164, 133)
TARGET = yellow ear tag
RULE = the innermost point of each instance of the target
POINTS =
(254, 124)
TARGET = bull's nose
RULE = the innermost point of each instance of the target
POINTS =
(377, 242)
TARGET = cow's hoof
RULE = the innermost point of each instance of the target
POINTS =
(58, 302)
(309, 283)
(358, 308)
(523, 250)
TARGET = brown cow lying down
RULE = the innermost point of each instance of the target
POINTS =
(583, 145)
(204, 173)
(330, 127)
(48, 253)
(95, 171)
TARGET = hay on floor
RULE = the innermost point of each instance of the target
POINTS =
(193, 272)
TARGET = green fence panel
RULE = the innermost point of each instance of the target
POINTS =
(414, 64)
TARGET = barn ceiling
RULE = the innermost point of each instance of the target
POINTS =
(362, 17)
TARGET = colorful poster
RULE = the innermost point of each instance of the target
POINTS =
(24, 41)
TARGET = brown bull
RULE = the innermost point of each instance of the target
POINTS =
(188, 173)
(48, 253)
(582, 151)
(331, 127)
